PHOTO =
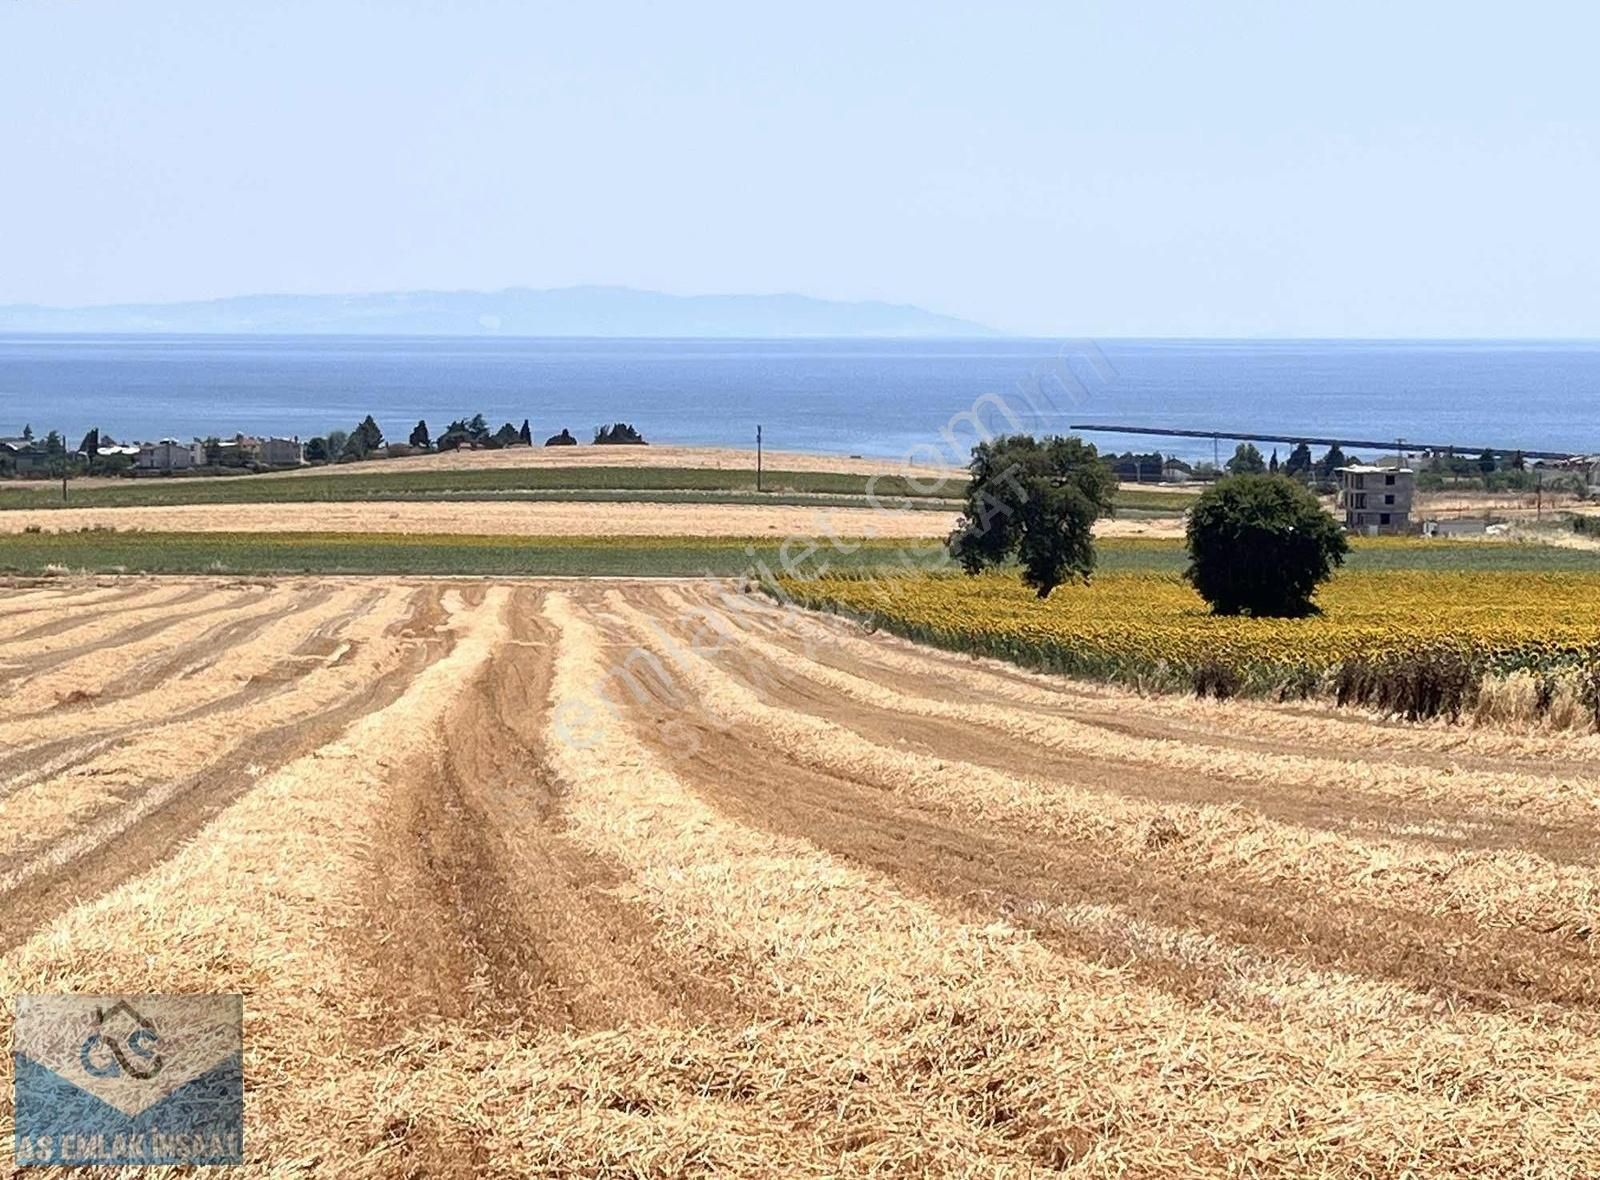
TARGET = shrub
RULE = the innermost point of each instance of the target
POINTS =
(1261, 545)
(1217, 679)
(1419, 685)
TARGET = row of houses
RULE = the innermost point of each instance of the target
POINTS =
(28, 456)
(242, 450)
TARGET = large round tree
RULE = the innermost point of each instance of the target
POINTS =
(1261, 545)
(1037, 500)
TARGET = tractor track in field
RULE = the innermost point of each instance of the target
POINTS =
(528, 878)
(46, 889)
(1021, 872)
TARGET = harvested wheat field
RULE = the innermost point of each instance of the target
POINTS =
(623, 519)
(661, 879)
(481, 518)
(714, 458)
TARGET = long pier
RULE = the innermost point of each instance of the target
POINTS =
(1392, 444)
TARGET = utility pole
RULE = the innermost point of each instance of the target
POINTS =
(758, 458)
(63, 468)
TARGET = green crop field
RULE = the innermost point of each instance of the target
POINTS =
(110, 551)
(107, 551)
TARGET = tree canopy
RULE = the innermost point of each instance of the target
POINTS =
(1261, 545)
(1300, 463)
(1332, 461)
(1036, 500)
(1246, 460)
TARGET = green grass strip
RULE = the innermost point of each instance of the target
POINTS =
(108, 551)
(105, 551)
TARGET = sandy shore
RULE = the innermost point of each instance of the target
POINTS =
(525, 519)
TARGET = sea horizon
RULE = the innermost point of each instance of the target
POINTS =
(880, 396)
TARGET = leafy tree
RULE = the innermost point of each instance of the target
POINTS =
(1486, 463)
(213, 450)
(1519, 462)
(111, 464)
(1332, 461)
(478, 429)
(506, 436)
(1272, 464)
(1246, 460)
(54, 444)
(90, 445)
(455, 436)
(1038, 500)
(362, 441)
(1261, 545)
(27, 433)
(419, 435)
(1300, 463)
(1129, 465)
(618, 434)
(317, 450)
(336, 443)
(525, 435)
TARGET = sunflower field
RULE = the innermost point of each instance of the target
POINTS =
(1420, 642)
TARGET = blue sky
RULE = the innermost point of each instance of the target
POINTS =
(1071, 168)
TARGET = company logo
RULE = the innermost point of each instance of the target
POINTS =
(129, 1079)
(136, 1040)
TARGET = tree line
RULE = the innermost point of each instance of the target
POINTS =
(1247, 460)
(367, 439)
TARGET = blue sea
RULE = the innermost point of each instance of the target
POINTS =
(869, 397)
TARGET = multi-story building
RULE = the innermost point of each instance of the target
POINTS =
(167, 455)
(1376, 499)
(280, 452)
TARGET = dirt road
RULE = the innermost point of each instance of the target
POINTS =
(659, 879)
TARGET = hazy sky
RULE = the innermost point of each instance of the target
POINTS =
(1052, 168)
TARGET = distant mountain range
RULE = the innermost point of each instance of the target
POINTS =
(568, 311)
